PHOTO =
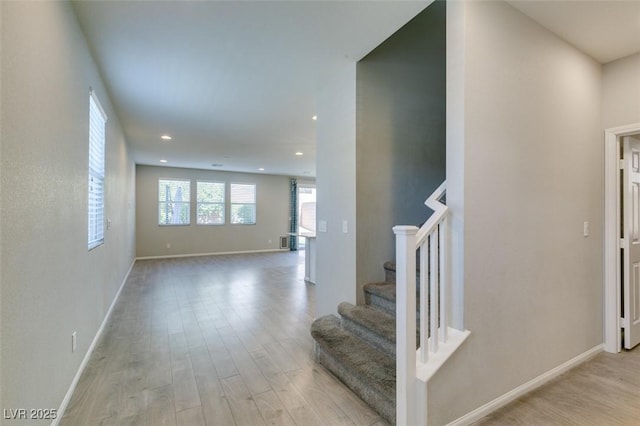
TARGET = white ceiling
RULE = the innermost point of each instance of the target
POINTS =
(234, 82)
(606, 30)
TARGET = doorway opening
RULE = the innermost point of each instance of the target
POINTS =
(306, 213)
(622, 237)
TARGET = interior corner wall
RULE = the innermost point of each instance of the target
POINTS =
(455, 155)
(533, 173)
(272, 215)
(621, 92)
(1, 404)
(400, 138)
(336, 191)
(50, 284)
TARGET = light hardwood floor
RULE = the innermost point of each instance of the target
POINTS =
(216, 340)
(604, 391)
(224, 340)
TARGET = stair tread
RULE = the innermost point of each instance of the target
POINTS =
(390, 265)
(373, 319)
(384, 290)
(370, 364)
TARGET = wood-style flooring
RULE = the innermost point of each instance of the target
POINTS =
(604, 391)
(224, 340)
(215, 340)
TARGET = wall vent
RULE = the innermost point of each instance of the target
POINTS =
(284, 242)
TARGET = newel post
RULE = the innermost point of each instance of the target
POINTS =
(405, 324)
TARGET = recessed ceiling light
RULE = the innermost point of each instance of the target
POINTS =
(261, 169)
(314, 118)
(299, 153)
(165, 137)
(163, 161)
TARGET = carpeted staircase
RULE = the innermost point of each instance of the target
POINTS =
(360, 346)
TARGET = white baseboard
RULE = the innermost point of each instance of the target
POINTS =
(171, 256)
(87, 356)
(531, 385)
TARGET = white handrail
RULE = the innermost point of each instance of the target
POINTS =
(412, 367)
(439, 210)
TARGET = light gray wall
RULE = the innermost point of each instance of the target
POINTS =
(533, 172)
(1, 53)
(400, 154)
(621, 92)
(336, 191)
(50, 284)
(455, 153)
(272, 215)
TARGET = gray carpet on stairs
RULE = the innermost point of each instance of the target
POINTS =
(360, 348)
(381, 296)
(367, 371)
(371, 325)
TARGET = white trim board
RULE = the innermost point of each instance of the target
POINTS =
(612, 337)
(87, 356)
(172, 256)
(531, 385)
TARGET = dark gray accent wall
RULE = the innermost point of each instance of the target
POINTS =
(400, 136)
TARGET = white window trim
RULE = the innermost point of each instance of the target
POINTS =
(186, 202)
(95, 237)
(255, 203)
(224, 203)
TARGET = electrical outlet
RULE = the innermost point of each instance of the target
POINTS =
(168, 245)
(269, 241)
(73, 341)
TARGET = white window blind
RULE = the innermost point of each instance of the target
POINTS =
(210, 203)
(243, 203)
(173, 202)
(97, 122)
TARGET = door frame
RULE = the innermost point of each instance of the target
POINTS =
(612, 280)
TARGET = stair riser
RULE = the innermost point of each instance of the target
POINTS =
(390, 275)
(388, 306)
(382, 405)
(368, 336)
(378, 302)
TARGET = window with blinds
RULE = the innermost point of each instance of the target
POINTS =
(210, 203)
(243, 203)
(97, 130)
(173, 202)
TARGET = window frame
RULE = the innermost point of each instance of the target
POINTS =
(187, 202)
(96, 173)
(223, 203)
(254, 204)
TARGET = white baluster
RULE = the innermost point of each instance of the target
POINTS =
(433, 291)
(444, 286)
(424, 304)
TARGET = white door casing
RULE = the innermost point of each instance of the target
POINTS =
(612, 234)
(631, 242)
